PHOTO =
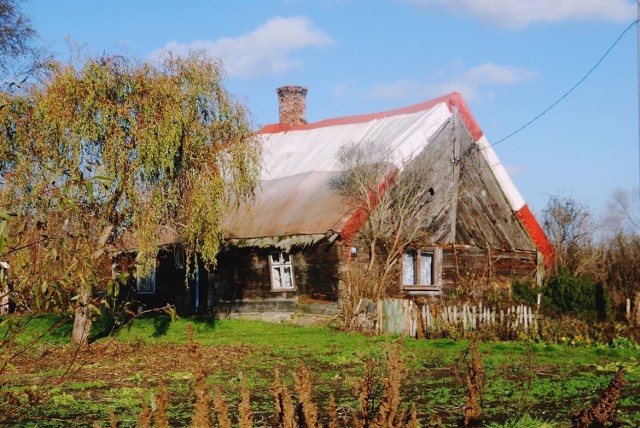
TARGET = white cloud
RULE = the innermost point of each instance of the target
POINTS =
(476, 84)
(341, 90)
(395, 90)
(266, 50)
(521, 13)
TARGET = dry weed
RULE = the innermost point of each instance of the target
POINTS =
(333, 412)
(222, 410)
(388, 412)
(202, 406)
(604, 410)
(144, 418)
(368, 394)
(112, 419)
(474, 383)
(246, 416)
(285, 415)
(162, 402)
(307, 411)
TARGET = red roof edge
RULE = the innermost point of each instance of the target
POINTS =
(452, 100)
(455, 101)
(360, 216)
(537, 234)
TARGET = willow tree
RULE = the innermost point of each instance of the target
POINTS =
(116, 147)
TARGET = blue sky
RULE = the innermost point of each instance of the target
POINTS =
(510, 59)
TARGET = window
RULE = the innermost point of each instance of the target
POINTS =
(419, 269)
(146, 284)
(281, 271)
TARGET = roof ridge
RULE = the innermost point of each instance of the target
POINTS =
(450, 99)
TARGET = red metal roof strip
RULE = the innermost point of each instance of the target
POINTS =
(455, 100)
(537, 234)
(451, 99)
(360, 215)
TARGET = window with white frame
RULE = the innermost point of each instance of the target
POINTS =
(419, 269)
(281, 271)
(146, 284)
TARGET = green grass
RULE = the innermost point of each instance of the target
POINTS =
(527, 384)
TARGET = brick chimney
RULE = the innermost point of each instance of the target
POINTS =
(292, 104)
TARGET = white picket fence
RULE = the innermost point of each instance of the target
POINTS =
(400, 316)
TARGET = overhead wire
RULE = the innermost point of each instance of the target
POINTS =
(566, 94)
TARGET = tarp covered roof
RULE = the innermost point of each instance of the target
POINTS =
(295, 196)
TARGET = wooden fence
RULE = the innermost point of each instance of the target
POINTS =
(399, 316)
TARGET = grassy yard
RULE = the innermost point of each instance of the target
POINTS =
(546, 382)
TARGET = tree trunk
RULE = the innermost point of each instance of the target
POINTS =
(82, 321)
(372, 254)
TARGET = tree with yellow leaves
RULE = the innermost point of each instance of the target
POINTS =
(114, 147)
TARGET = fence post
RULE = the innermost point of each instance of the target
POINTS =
(427, 314)
(474, 319)
(405, 312)
(464, 317)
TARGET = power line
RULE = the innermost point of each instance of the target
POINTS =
(566, 94)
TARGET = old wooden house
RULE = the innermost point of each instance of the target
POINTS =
(288, 254)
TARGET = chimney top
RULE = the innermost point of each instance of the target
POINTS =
(292, 105)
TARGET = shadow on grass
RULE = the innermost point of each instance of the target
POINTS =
(156, 325)
(202, 323)
(161, 326)
(102, 327)
(60, 329)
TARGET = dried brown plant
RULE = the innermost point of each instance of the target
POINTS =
(144, 417)
(524, 401)
(202, 406)
(412, 420)
(246, 416)
(367, 395)
(434, 422)
(388, 412)
(222, 410)
(604, 410)
(112, 419)
(474, 384)
(307, 410)
(285, 414)
(162, 402)
(333, 413)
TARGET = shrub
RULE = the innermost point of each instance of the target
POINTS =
(524, 292)
(567, 294)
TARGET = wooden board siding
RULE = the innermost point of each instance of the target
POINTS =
(438, 214)
(485, 218)
(242, 281)
(487, 245)
(467, 266)
(472, 266)
(470, 195)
